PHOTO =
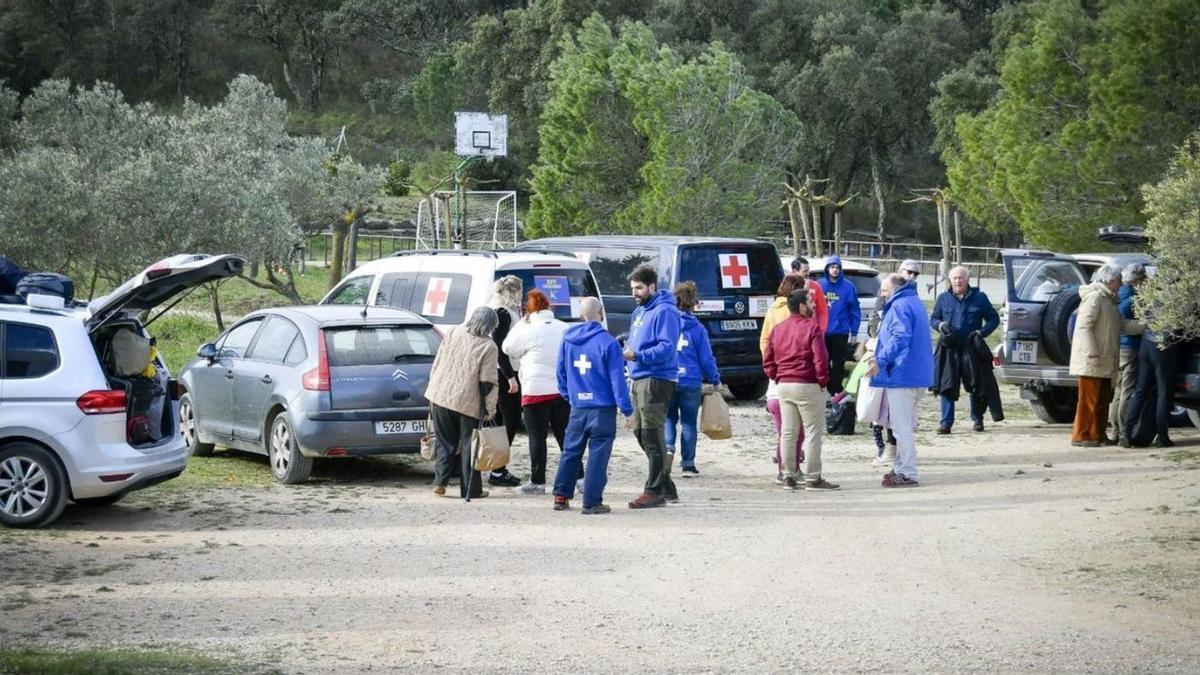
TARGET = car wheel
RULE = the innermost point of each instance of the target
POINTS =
(288, 465)
(33, 487)
(748, 391)
(187, 425)
(107, 500)
(1058, 324)
(1055, 405)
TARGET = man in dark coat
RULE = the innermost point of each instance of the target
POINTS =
(958, 313)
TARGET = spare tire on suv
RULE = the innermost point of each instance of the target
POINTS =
(1058, 322)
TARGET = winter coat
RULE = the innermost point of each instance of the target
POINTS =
(697, 364)
(779, 313)
(654, 338)
(591, 369)
(463, 362)
(1095, 346)
(1125, 296)
(845, 315)
(904, 353)
(969, 367)
(532, 345)
(974, 312)
(505, 317)
(796, 352)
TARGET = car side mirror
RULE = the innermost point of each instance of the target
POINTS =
(208, 351)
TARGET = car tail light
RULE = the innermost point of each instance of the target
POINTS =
(158, 270)
(115, 477)
(102, 402)
(317, 379)
(335, 452)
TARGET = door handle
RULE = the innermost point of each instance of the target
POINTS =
(266, 379)
(1020, 313)
(229, 374)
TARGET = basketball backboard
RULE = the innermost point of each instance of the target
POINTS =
(480, 134)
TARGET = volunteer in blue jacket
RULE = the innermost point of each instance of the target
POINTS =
(958, 312)
(845, 315)
(591, 377)
(902, 367)
(697, 365)
(652, 353)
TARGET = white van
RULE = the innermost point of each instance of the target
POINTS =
(445, 286)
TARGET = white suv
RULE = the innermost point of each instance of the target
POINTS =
(72, 425)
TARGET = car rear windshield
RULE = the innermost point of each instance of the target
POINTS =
(1040, 279)
(380, 345)
(721, 269)
(866, 285)
(559, 284)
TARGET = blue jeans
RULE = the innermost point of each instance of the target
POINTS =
(948, 409)
(593, 429)
(683, 409)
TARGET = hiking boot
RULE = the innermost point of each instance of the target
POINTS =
(943, 430)
(896, 480)
(1163, 442)
(648, 501)
(1085, 444)
(439, 490)
(481, 495)
(821, 484)
(672, 498)
(978, 426)
(561, 503)
(691, 470)
(532, 488)
(1108, 440)
(789, 483)
(596, 510)
(503, 479)
(1124, 442)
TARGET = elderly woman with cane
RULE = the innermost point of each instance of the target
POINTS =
(462, 383)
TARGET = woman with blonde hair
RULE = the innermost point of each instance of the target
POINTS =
(505, 299)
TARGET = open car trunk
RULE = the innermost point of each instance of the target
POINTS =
(130, 365)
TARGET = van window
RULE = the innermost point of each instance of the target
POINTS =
(613, 265)
(759, 275)
(1039, 279)
(29, 351)
(865, 285)
(351, 292)
(559, 285)
(394, 290)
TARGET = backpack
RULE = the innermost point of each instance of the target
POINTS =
(840, 417)
(10, 275)
(47, 283)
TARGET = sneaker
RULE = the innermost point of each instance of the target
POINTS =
(1124, 442)
(439, 490)
(481, 495)
(503, 479)
(672, 498)
(789, 483)
(579, 485)
(596, 510)
(978, 426)
(943, 430)
(1086, 444)
(897, 480)
(1163, 442)
(779, 479)
(561, 503)
(889, 475)
(821, 484)
(648, 501)
(691, 470)
(1108, 440)
(532, 488)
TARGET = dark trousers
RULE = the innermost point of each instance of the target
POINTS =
(650, 399)
(838, 347)
(508, 413)
(1155, 372)
(452, 432)
(593, 429)
(540, 420)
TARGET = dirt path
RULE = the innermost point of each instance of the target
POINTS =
(1018, 552)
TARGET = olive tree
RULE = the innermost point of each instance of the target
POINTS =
(1172, 295)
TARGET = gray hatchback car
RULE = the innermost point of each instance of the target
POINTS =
(296, 383)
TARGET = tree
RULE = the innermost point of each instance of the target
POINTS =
(637, 139)
(1093, 100)
(1170, 297)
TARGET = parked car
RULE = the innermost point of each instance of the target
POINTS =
(864, 277)
(296, 383)
(1038, 321)
(75, 422)
(445, 286)
(736, 280)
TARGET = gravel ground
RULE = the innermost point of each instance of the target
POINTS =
(1017, 552)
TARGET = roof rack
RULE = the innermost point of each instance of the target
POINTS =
(444, 251)
(540, 251)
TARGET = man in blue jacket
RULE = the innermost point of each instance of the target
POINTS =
(903, 367)
(845, 315)
(651, 351)
(957, 313)
(591, 377)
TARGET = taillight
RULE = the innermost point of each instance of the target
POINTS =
(317, 379)
(102, 402)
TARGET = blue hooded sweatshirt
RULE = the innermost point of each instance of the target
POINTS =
(1125, 308)
(905, 349)
(654, 339)
(845, 314)
(696, 361)
(591, 369)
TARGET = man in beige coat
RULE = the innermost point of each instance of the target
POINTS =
(1095, 350)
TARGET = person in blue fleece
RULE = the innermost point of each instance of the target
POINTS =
(697, 366)
(652, 353)
(845, 315)
(591, 377)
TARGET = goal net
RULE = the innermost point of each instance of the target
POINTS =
(479, 219)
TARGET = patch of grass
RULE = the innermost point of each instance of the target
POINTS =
(179, 335)
(1180, 456)
(226, 468)
(111, 662)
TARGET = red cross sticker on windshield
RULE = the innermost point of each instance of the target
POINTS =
(735, 271)
(436, 295)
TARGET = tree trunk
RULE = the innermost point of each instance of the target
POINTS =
(816, 226)
(314, 87)
(802, 209)
(214, 293)
(254, 269)
(339, 250)
(837, 231)
(943, 211)
(958, 258)
(877, 181)
(291, 84)
(794, 222)
(353, 246)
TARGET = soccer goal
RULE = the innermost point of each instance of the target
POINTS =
(488, 219)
